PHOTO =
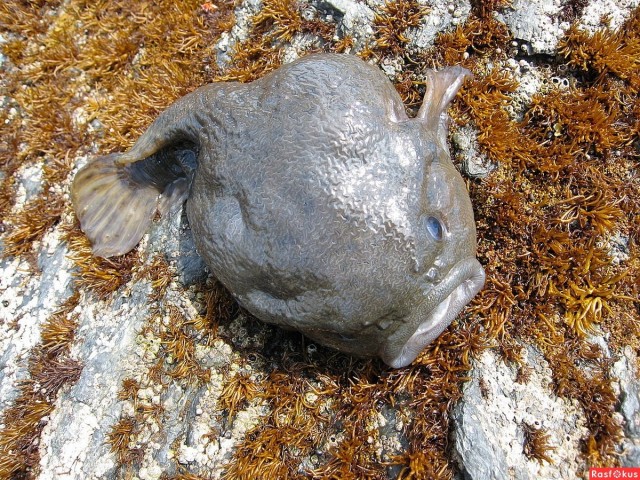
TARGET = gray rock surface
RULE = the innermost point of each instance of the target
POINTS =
(489, 422)
(240, 31)
(26, 302)
(466, 151)
(616, 12)
(535, 22)
(441, 16)
(626, 371)
(354, 19)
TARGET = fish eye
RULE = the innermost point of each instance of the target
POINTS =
(434, 227)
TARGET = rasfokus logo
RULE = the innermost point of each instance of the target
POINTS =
(615, 473)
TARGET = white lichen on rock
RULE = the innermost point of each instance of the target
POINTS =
(74, 441)
(26, 302)
(467, 152)
(244, 13)
(536, 23)
(615, 12)
(355, 19)
(442, 15)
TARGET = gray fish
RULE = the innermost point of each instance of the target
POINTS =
(313, 198)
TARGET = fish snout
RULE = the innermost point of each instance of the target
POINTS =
(442, 302)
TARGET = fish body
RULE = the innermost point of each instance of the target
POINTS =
(313, 198)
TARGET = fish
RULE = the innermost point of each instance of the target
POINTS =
(313, 198)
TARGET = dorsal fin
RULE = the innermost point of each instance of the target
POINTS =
(442, 86)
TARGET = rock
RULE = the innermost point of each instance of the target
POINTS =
(490, 422)
(354, 19)
(30, 185)
(615, 11)
(239, 32)
(73, 442)
(618, 248)
(26, 302)
(466, 151)
(442, 15)
(536, 24)
(626, 371)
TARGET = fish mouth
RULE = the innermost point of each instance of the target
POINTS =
(442, 304)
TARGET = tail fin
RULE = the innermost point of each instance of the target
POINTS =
(116, 196)
(116, 204)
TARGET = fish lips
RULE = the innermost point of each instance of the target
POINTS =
(441, 304)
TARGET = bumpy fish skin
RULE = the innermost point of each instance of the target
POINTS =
(314, 199)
